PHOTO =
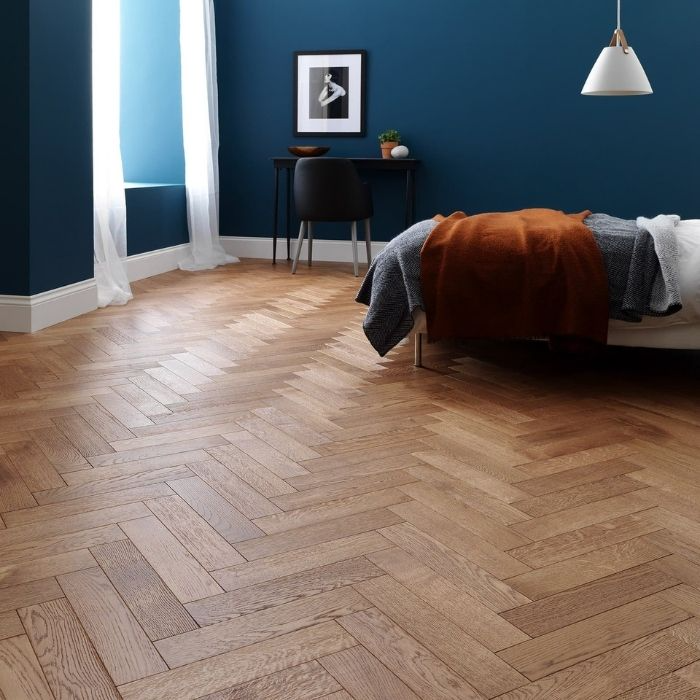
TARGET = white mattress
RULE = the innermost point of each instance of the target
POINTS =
(680, 331)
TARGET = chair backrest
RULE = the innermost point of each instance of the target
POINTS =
(329, 189)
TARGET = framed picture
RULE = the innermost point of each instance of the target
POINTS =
(329, 93)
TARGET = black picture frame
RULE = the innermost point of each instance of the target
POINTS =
(330, 93)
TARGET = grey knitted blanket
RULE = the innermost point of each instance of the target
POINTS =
(641, 259)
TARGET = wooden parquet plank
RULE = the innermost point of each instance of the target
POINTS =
(485, 671)
(540, 506)
(317, 533)
(10, 625)
(219, 608)
(172, 436)
(343, 489)
(668, 686)
(152, 452)
(69, 661)
(140, 400)
(683, 569)
(106, 425)
(231, 524)
(82, 435)
(21, 677)
(365, 677)
(585, 568)
(32, 465)
(122, 645)
(201, 540)
(14, 493)
(569, 645)
(35, 532)
(427, 675)
(487, 589)
(560, 610)
(112, 484)
(153, 604)
(134, 467)
(612, 673)
(235, 490)
(306, 681)
(45, 567)
(85, 504)
(342, 507)
(383, 456)
(685, 597)
(262, 479)
(490, 506)
(255, 627)
(297, 429)
(238, 666)
(174, 564)
(283, 442)
(456, 604)
(576, 476)
(578, 542)
(464, 542)
(58, 450)
(579, 517)
(279, 565)
(27, 552)
(690, 673)
(498, 535)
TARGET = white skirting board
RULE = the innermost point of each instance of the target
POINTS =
(155, 262)
(324, 250)
(26, 314)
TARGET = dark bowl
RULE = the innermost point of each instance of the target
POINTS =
(308, 151)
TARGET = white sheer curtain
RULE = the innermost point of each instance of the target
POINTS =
(108, 174)
(200, 125)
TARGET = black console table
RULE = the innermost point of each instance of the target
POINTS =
(404, 165)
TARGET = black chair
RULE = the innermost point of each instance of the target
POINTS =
(329, 189)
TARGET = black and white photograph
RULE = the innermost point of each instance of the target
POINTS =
(330, 93)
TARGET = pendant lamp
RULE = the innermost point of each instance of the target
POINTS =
(617, 72)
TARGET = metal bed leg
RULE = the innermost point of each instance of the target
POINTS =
(418, 356)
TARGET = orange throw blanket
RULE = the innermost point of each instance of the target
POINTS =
(535, 273)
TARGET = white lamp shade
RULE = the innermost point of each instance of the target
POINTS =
(617, 73)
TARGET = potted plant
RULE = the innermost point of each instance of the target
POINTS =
(387, 140)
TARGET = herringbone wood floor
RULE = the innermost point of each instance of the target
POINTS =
(220, 491)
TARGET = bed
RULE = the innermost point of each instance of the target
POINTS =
(400, 309)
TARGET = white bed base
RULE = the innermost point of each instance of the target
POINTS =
(682, 336)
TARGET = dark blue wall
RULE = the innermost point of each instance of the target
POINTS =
(14, 146)
(151, 104)
(156, 217)
(486, 93)
(60, 153)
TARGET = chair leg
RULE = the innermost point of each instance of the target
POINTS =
(368, 242)
(310, 240)
(302, 232)
(353, 234)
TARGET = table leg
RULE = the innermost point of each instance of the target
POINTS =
(289, 199)
(275, 212)
(410, 197)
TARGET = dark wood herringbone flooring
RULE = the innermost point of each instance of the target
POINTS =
(219, 491)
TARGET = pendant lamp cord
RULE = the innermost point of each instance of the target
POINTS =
(619, 15)
(618, 37)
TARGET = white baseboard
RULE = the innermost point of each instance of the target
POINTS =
(155, 262)
(324, 250)
(26, 314)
